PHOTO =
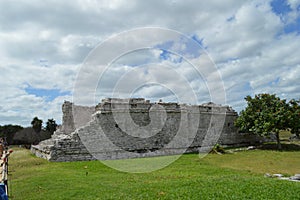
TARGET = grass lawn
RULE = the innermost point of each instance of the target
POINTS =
(228, 176)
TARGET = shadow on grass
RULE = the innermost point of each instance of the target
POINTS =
(285, 147)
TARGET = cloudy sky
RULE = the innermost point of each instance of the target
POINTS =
(45, 46)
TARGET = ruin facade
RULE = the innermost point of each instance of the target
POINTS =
(132, 128)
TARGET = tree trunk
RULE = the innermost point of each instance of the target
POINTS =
(278, 141)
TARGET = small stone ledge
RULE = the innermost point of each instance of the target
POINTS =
(295, 178)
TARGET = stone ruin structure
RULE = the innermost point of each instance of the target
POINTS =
(131, 128)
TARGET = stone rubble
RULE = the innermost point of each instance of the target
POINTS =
(295, 178)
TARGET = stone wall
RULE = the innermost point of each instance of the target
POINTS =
(129, 128)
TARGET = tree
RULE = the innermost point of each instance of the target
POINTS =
(51, 125)
(264, 114)
(8, 132)
(294, 117)
(37, 124)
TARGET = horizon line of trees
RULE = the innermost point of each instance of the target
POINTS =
(37, 125)
(9, 131)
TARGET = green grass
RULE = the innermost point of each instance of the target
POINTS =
(228, 176)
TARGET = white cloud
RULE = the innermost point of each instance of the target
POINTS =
(21, 106)
(43, 43)
(294, 5)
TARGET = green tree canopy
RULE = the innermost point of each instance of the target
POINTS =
(294, 116)
(51, 125)
(8, 132)
(37, 124)
(264, 114)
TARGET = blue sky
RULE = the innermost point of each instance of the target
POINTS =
(48, 94)
(280, 7)
(253, 44)
(283, 9)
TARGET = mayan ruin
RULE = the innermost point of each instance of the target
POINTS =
(161, 121)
